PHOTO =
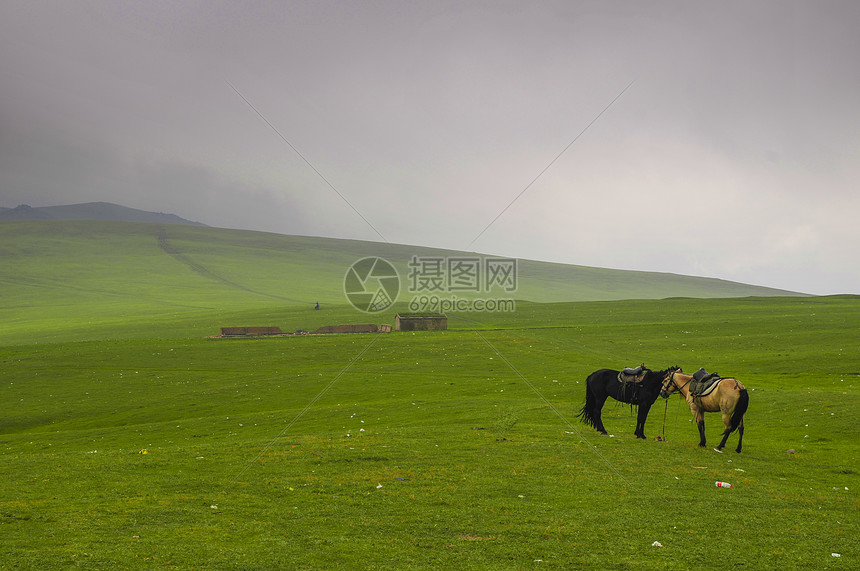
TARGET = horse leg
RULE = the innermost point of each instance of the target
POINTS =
(640, 420)
(727, 420)
(699, 416)
(599, 401)
(738, 416)
(740, 436)
(734, 419)
(595, 397)
(701, 425)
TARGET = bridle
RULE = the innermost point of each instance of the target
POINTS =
(674, 384)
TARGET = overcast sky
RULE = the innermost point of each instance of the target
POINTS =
(734, 153)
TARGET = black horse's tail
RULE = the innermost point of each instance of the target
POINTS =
(587, 412)
(740, 409)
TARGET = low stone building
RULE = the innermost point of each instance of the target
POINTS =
(348, 328)
(420, 322)
(250, 331)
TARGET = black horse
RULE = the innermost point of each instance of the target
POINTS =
(604, 383)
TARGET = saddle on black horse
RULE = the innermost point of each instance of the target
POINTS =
(629, 375)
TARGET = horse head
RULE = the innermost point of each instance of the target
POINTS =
(669, 385)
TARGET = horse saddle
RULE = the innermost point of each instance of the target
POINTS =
(703, 383)
(628, 375)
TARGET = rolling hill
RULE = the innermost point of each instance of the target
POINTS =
(72, 278)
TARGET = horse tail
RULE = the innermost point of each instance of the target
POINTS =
(740, 409)
(587, 412)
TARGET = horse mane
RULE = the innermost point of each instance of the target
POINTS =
(660, 375)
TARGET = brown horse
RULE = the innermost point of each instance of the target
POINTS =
(729, 397)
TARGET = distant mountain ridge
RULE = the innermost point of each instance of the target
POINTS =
(91, 211)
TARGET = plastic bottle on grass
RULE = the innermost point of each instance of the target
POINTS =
(723, 485)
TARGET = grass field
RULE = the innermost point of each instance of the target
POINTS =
(131, 440)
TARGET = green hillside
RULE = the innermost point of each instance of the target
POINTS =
(67, 279)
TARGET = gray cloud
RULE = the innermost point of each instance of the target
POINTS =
(735, 151)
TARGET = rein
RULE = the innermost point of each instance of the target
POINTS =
(666, 410)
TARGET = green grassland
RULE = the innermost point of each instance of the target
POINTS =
(130, 439)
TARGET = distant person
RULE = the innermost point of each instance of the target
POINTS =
(317, 306)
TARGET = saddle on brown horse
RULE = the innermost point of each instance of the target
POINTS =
(703, 383)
